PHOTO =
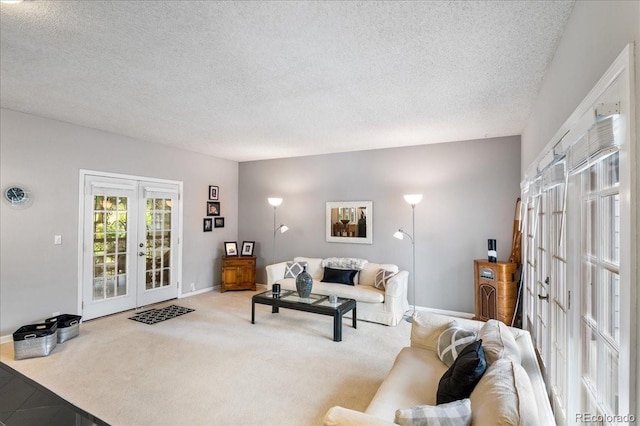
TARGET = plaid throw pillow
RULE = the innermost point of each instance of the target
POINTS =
(293, 269)
(456, 413)
(382, 276)
(452, 341)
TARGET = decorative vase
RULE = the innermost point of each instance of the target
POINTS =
(304, 283)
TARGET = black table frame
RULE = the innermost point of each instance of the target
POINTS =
(266, 298)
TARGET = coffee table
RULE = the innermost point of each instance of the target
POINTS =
(315, 303)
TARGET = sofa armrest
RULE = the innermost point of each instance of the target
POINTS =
(346, 417)
(397, 285)
(275, 272)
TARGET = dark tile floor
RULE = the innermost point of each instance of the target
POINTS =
(24, 402)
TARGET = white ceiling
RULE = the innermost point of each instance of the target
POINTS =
(258, 80)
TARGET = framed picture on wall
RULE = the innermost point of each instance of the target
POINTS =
(213, 193)
(231, 248)
(218, 222)
(213, 208)
(247, 248)
(207, 225)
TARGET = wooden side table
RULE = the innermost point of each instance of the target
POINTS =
(238, 273)
(496, 290)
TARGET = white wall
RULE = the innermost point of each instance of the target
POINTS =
(470, 190)
(37, 277)
(596, 33)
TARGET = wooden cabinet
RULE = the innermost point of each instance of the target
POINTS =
(496, 290)
(238, 273)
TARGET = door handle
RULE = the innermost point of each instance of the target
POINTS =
(543, 297)
(141, 253)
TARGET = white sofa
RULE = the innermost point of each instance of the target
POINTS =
(511, 391)
(380, 306)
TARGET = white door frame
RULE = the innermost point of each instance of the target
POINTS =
(83, 174)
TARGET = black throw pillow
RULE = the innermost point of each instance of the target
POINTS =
(464, 374)
(339, 276)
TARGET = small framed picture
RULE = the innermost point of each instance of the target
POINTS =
(231, 248)
(218, 222)
(213, 208)
(247, 248)
(213, 193)
(207, 225)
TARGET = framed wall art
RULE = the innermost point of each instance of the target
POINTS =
(349, 222)
(218, 222)
(213, 193)
(213, 208)
(206, 225)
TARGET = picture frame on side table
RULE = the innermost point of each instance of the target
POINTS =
(218, 222)
(247, 248)
(214, 193)
(213, 208)
(207, 225)
(231, 248)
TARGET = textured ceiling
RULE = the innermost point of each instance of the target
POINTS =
(258, 80)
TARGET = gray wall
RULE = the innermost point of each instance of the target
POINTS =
(37, 277)
(470, 189)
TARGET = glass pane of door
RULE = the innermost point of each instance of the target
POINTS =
(110, 227)
(158, 243)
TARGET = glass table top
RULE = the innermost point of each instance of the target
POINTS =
(313, 299)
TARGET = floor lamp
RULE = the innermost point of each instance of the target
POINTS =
(412, 199)
(275, 202)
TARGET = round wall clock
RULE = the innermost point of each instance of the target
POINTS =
(17, 196)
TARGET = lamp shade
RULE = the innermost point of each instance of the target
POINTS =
(399, 234)
(283, 229)
(275, 201)
(413, 199)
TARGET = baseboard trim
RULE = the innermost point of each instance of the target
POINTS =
(466, 315)
(201, 291)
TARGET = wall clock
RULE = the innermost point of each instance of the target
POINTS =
(17, 196)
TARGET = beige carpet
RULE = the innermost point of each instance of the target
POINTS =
(213, 367)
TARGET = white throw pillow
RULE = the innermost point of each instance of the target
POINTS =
(498, 342)
(381, 278)
(456, 413)
(426, 328)
(293, 269)
(452, 341)
(314, 266)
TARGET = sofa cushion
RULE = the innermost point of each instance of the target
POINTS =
(464, 374)
(382, 276)
(314, 266)
(504, 396)
(498, 342)
(339, 276)
(452, 341)
(426, 329)
(403, 387)
(368, 273)
(456, 413)
(292, 269)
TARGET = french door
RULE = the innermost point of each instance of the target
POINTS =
(130, 244)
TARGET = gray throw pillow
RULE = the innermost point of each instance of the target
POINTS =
(382, 276)
(456, 413)
(293, 269)
(452, 341)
